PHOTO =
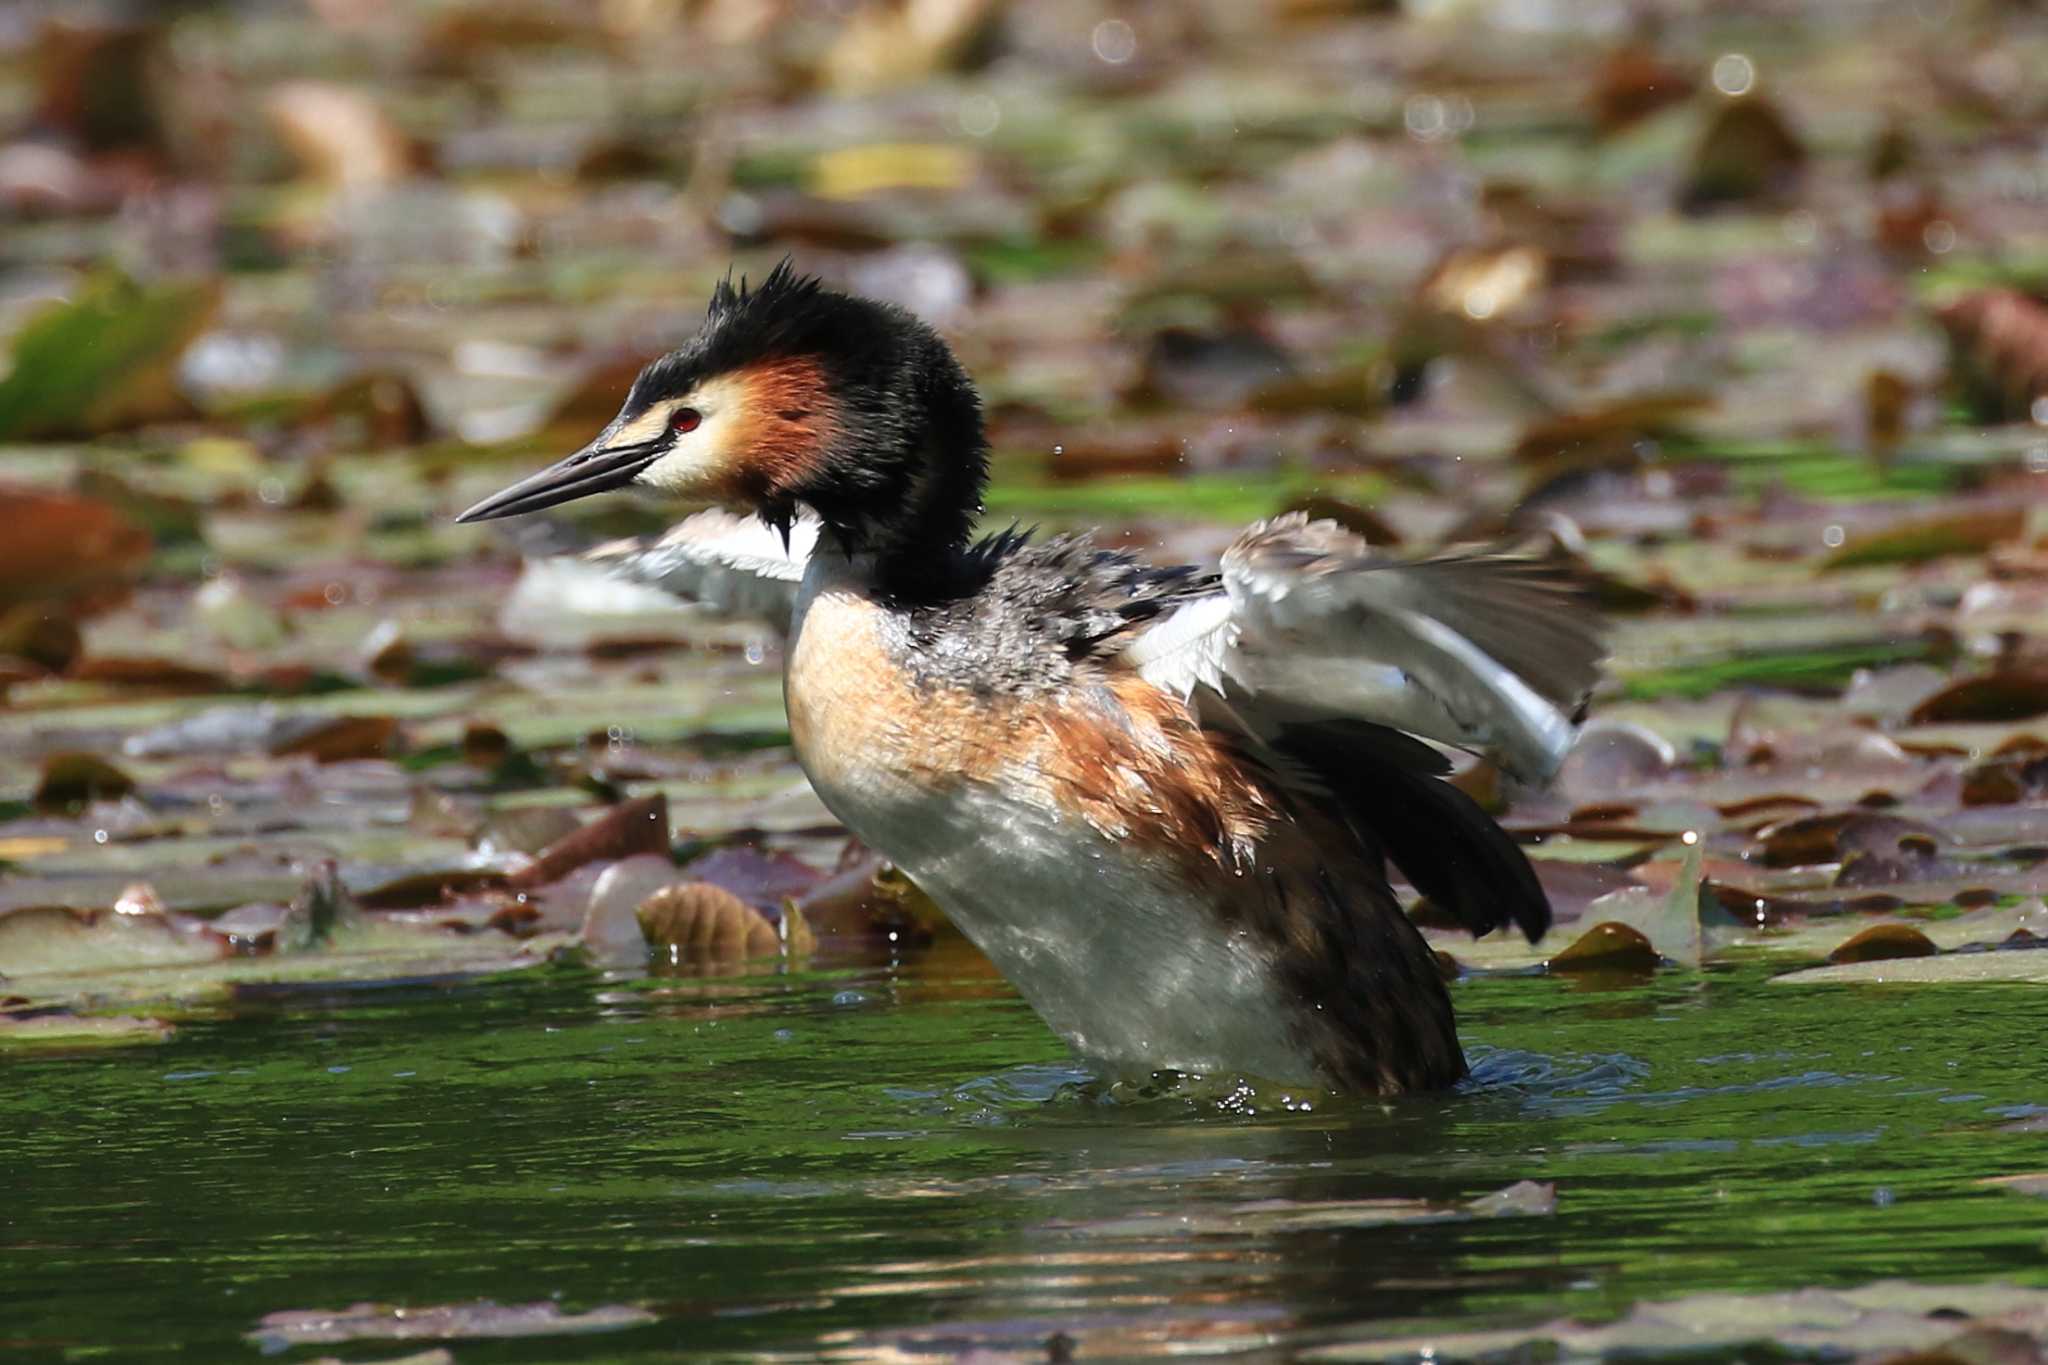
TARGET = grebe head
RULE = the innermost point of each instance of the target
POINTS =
(794, 394)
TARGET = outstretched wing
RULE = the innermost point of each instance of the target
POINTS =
(727, 564)
(1483, 649)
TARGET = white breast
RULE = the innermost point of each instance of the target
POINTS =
(1116, 953)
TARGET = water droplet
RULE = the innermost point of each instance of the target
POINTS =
(1734, 73)
(979, 115)
(1114, 41)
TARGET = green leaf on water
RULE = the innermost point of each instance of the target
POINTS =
(1824, 670)
(102, 358)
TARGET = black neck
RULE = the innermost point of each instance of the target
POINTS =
(905, 487)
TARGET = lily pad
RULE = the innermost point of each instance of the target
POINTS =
(103, 358)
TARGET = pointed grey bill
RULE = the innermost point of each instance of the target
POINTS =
(597, 468)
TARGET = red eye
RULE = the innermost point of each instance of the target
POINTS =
(684, 419)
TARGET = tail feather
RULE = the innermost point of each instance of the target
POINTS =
(1449, 849)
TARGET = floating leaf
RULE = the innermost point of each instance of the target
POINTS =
(103, 359)
(157, 675)
(437, 1322)
(341, 135)
(2007, 694)
(1882, 1320)
(58, 546)
(71, 781)
(1607, 947)
(1483, 283)
(341, 739)
(1631, 83)
(1925, 538)
(700, 921)
(639, 826)
(1998, 343)
(41, 634)
(880, 46)
(1748, 154)
(611, 931)
(62, 1031)
(1882, 943)
(851, 172)
(51, 939)
(2017, 964)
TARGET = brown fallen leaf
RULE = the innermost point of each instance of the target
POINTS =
(59, 546)
(1804, 840)
(2006, 694)
(1887, 398)
(1920, 539)
(1632, 83)
(1998, 351)
(637, 826)
(42, 634)
(2006, 780)
(342, 739)
(340, 136)
(1611, 433)
(697, 920)
(1607, 947)
(104, 81)
(156, 675)
(71, 781)
(1883, 942)
(1748, 154)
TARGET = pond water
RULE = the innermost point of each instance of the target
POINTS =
(900, 1159)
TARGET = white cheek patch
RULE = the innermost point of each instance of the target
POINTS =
(646, 427)
(702, 455)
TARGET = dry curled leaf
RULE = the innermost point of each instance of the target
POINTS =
(700, 921)
(1998, 350)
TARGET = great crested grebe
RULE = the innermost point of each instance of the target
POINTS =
(1161, 800)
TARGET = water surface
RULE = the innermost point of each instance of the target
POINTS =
(902, 1156)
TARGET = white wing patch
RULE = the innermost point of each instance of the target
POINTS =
(1485, 650)
(1186, 649)
(728, 565)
